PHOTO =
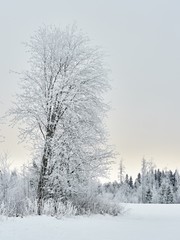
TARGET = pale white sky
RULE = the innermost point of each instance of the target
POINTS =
(142, 41)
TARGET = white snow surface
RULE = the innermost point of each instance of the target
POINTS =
(139, 222)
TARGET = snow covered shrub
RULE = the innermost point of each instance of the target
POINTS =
(58, 209)
(104, 206)
(65, 209)
(17, 197)
(90, 201)
(2, 209)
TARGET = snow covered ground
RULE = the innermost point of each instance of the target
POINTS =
(140, 222)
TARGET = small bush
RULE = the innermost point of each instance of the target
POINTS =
(59, 209)
(92, 202)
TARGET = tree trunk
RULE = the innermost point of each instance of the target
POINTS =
(43, 173)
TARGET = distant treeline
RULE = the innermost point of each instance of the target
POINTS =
(150, 186)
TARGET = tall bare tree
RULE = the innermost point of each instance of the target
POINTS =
(61, 107)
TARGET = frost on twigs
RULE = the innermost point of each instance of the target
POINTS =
(60, 110)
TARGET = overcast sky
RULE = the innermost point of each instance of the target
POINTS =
(142, 41)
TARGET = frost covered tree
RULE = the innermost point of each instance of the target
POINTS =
(169, 195)
(143, 179)
(121, 171)
(147, 178)
(16, 195)
(60, 110)
(5, 177)
(148, 196)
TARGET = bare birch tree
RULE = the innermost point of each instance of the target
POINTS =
(121, 171)
(60, 107)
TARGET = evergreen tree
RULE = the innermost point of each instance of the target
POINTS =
(149, 196)
(127, 179)
(162, 194)
(131, 182)
(169, 195)
(158, 178)
(139, 178)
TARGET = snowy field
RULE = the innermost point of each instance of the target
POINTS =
(140, 222)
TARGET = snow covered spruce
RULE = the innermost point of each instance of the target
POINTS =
(60, 111)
